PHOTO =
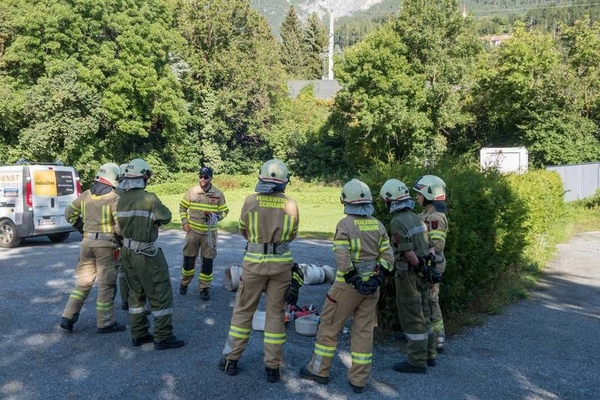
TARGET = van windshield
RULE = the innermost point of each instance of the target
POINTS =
(53, 183)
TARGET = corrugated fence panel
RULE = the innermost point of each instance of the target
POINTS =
(579, 181)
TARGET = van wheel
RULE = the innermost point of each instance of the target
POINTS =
(58, 237)
(8, 234)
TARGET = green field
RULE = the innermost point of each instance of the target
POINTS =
(319, 206)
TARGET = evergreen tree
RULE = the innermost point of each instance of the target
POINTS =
(316, 43)
(293, 54)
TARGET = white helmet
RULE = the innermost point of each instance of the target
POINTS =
(274, 171)
(108, 174)
(137, 168)
(394, 190)
(356, 192)
(431, 187)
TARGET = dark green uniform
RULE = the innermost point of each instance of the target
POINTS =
(139, 214)
(408, 232)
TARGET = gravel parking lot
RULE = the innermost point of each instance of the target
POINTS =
(541, 348)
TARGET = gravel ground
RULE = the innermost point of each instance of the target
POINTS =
(537, 349)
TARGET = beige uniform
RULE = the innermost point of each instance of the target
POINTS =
(193, 210)
(97, 256)
(437, 226)
(360, 243)
(269, 222)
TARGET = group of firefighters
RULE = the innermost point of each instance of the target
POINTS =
(119, 220)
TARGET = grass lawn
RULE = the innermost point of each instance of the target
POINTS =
(319, 206)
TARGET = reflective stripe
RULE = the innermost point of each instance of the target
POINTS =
(339, 276)
(288, 227)
(135, 213)
(362, 358)
(137, 310)
(439, 235)
(253, 228)
(105, 306)
(162, 313)
(274, 338)
(355, 249)
(340, 244)
(415, 337)
(205, 277)
(417, 229)
(265, 258)
(76, 294)
(239, 332)
(325, 351)
(190, 272)
(384, 245)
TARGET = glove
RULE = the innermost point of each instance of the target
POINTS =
(211, 218)
(374, 282)
(291, 296)
(79, 224)
(118, 239)
(352, 278)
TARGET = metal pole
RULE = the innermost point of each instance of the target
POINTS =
(330, 68)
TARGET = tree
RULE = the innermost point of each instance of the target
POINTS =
(233, 81)
(293, 50)
(121, 53)
(316, 40)
(405, 85)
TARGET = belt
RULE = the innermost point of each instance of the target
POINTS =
(268, 248)
(365, 267)
(137, 246)
(404, 267)
(98, 236)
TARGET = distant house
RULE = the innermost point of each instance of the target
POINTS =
(324, 89)
(496, 40)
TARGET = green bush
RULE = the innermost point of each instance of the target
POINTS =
(499, 225)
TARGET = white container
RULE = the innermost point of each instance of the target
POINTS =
(232, 277)
(307, 325)
(504, 159)
(313, 275)
(258, 320)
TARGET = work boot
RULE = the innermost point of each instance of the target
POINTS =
(169, 343)
(431, 362)
(66, 324)
(115, 327)
(306, 374)
(147, 338)
(124, 306)
(182, 289)
(407, 367)
(229, 366)
(272, 374)
(356, 389)
(205, 295)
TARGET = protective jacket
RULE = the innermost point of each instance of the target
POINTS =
(437, 226)
(99, 214)
(195, 205)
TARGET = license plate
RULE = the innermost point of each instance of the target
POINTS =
(47, 221)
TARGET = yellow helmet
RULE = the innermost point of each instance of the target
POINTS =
(108, 174)
(356, 192)
(431, 187)
(394, 190)
(137, 168)
(274, 171)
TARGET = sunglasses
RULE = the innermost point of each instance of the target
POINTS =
(204, 177)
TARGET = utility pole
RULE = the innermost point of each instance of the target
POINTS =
(330, 68)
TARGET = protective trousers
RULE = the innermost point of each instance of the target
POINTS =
(194, 242)
(148, 279)
(341, 302)
(412, 301)
(95, 262)
(436, 316)
(123, 288)
(247, 298)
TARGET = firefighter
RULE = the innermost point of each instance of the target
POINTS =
(412, 249)
(139, 214)
(431, 195)
(97, 208)
(201, 209)
(364, 258)
(269, 221)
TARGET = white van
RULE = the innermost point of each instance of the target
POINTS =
(33, 199)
